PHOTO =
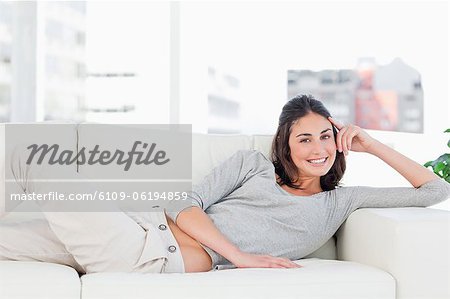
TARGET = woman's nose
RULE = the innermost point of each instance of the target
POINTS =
(318, 147)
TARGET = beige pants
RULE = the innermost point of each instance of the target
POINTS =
(95, 242)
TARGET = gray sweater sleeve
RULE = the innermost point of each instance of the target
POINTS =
(224, 179)
(430, 193)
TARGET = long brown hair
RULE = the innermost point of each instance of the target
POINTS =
(285, 168)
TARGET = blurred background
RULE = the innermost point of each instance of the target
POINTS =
(225, 67)
(229, 67)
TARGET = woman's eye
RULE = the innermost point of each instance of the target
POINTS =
(324, 137)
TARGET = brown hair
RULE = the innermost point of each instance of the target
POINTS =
(285, 168)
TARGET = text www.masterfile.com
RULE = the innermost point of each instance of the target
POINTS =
(100, 196)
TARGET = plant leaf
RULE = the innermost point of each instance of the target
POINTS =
(446, 171)
(447, 131)
(428, 164)
(442, 158)
(439, 166)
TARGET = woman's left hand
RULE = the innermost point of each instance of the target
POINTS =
(351, 137)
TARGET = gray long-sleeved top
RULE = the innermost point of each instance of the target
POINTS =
(246, 204)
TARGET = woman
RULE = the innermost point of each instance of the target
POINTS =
(248, 212)
(262, 213)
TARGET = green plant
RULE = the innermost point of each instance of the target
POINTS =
(441, 166)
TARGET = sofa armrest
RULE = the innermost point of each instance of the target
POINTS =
(412, 244)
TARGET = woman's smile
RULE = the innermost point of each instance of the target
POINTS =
(318, 162)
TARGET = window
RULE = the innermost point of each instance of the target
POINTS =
(128, 62)
(374, 92)
(304, 36)
(5, 59)
(99, 61)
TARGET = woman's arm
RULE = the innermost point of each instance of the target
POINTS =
(428, 188)
(223, 180)
(351, 137)
(196, 223)
(415, 173)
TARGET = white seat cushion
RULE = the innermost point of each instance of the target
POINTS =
(317, 279)
(38, 280)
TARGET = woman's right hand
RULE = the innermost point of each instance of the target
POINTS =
(247, 260)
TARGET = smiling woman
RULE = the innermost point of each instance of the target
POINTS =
(310, 157)
(288, 193)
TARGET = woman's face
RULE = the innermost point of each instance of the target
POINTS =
(311, 141)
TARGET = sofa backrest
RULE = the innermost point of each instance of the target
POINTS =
(208, 151)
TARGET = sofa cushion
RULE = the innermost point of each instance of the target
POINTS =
(411, 243)
(38, 280)
(317, 279)
(263, 143)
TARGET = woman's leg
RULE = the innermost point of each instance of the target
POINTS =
(108, 242)
(33, 240)
(98, 241)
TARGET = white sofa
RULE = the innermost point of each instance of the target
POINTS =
(377, 253)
